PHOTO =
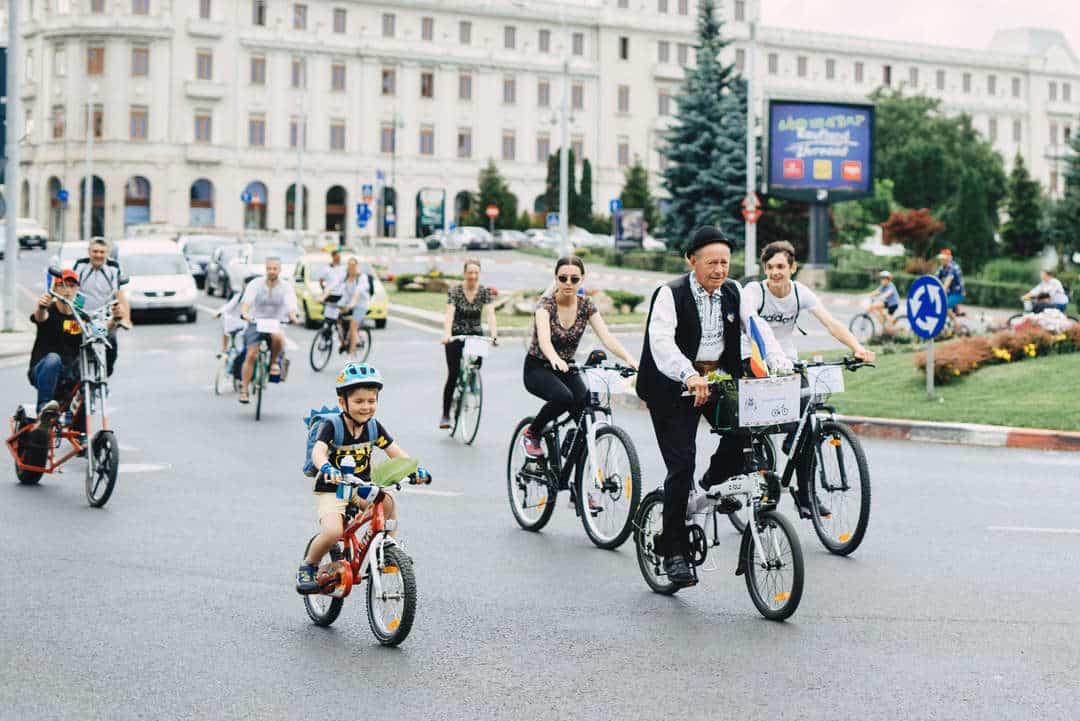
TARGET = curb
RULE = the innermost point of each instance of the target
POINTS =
(435, 320)
(967, 434)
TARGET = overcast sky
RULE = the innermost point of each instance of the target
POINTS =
(956, 23)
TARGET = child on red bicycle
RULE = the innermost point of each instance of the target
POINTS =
(358, 387)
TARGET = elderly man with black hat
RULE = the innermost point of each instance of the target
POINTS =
(693, 328)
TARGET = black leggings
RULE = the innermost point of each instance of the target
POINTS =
(454, 351)
(563, 391)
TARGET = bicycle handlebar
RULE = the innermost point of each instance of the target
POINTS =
(623, 370)
(848, 362)
(487, 338)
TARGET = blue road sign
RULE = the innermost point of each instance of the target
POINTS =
(926, 306)
(380, 176)
(390, 217)
(245, 197)
(62, 195)
(552, 221)
(367, 190)
(363, 214)
(615, 205)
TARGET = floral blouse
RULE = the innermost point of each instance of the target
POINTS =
(565, 340)
(467, 313)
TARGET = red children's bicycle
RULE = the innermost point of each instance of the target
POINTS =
(368, 552)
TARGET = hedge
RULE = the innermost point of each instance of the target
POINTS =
(984, 293)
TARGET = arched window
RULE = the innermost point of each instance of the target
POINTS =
(201, 206)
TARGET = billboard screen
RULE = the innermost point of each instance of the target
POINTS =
(819, 151)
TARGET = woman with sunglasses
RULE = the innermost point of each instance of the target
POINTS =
(559, 324)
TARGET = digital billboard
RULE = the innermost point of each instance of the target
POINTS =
(820, 152)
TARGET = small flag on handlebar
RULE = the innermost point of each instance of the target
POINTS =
(758, 367)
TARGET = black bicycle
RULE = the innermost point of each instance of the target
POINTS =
(828, 454)
(468, 399)
(322, 345)
(601, 456)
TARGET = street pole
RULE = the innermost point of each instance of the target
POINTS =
(930, 370)
(751, 152)
(564, 141)
(88, 179)
(11, 176)
(298, 196)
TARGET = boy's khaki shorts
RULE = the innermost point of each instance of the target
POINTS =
(327, 503)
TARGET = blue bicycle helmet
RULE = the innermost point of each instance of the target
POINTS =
(358, 375)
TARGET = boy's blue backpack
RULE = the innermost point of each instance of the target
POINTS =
(314, 421)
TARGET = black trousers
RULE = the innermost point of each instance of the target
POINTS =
(562, 391)
(676, 425)
(454, 351)
(110, 355)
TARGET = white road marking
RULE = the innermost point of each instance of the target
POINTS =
(430, 492)
(1026, 529)
(143, 467)
(418, 326)
(13, 361)
(206, 308)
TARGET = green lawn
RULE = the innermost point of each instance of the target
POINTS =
(1039, 393)
(437, 302)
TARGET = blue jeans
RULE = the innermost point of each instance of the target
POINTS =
(47, 374)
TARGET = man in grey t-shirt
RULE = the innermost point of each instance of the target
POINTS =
(266, 298)
(99, 279)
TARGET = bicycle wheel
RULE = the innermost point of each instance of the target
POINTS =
(901, 329)
(764, 445)
(100, 483)
(648, 525)
(323, 610)
(607, 504)
(390, 613)
(363, 344)
(322, 347)
(837, 470)
(467, 415)
(262, 368)
(775, 580)
(862, 327)
(532, 498)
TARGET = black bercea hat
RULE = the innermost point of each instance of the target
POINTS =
(707, 235)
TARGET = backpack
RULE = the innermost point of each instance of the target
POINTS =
(314, 421)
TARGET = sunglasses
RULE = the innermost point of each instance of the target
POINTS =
(572, 279)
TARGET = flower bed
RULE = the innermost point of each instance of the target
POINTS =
(966, 355)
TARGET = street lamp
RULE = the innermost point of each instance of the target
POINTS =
(398, 124)
(11, 178)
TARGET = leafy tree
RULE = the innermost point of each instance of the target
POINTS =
(913, 229)
(1063, 216)
(525, 220)
(1022, 233)
(493, 190)
(706, 145)
(854, 220)
(581, 209)
(785, 220)
(969, 230)
(635, 192)
(551, 189)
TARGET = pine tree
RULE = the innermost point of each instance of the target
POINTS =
(1022, 234)
(635, 192)
(1063, 226)
(551, 187)
(581, 211)
(706, 146)
(968, 230)
(493, 190)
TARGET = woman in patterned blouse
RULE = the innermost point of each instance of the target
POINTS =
(465, 304)
(560, 323)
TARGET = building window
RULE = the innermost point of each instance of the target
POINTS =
(202, 127)
(1068, 133)
(60, 61)
(991, 84)
(1016, 87)
(140, 7)
(543, 41)
(509, 37)
(578, 43)
(337, 77)
(740, 11)
(939, 82)
(464, 143)
(95, 60)
(663, 51)
(389, 81)
(774, 63)
(464, 86)
(97, 6)
(624, 4)
(1053, 90)
(1053, 133)
(830, 69)
(543, 148)
(577, 147)
(465, 32)
(337, 135)
(386, 138)
(97, 121)
(299, 73)
(623, 152)
(295, 132)
(204, 65)
(624, 99)
(859, 72)
(427, 84)
(1053, 182)
(509, 91)
(341, 17)
(661, 6)
(427, 140)
(58, 122)
(508, 145)
(299, 17)
(913, 77)
(258, 12)
(427, 29)
(740, 59)
(624, 48)
(886, 75)
(204, 9)
(684, 54)
(966, 82)
(684, 7)
(800, 66)
(577, 96)
(1018, 130)
(1066, 92)
(543, 94)
(258, 70)
(140, 62)
(388, 25)
(663, 105)
(257, 131)
(992, 130)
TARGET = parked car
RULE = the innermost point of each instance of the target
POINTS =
(31, 233)
(217, 277)
(509, 239)
(539, 238)
(160, 282)
(69, 253)
(251, 260)
(471, 237)
(197, 250)
(651, 243)
(310, 269)
(435, 240)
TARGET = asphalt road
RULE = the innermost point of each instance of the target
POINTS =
(175, 601)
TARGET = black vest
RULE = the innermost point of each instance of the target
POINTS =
(652, 385)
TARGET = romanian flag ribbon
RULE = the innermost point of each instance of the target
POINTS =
(758, 367)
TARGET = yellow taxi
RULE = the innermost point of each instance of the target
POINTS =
(308, 291)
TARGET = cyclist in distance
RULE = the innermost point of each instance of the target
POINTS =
(694, 326)
(1049, 293)
(353, 289)
(99, 280)
(559, 323)
(268, 297)
(885, 299)
(952, 278)
(466, 304)
(334, 274)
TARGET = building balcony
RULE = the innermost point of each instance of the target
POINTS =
(204, 153)
(198, 27)
(204, 90)
(667, 71)
(28, 90)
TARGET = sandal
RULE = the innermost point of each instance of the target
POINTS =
(275, 369)
(244, 398)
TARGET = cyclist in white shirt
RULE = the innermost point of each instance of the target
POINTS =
(334, 275)
(270, 298)
(1049, 293)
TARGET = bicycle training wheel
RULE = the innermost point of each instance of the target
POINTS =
(649, 523)
(532, 498)
(775, 577)
(608, 502)
(363, 344)
(322, 347)
(322, 609)
(838, 473)
(763, 445)
(390, 612)
(471, 403)
(102, 479)
(862, 327)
